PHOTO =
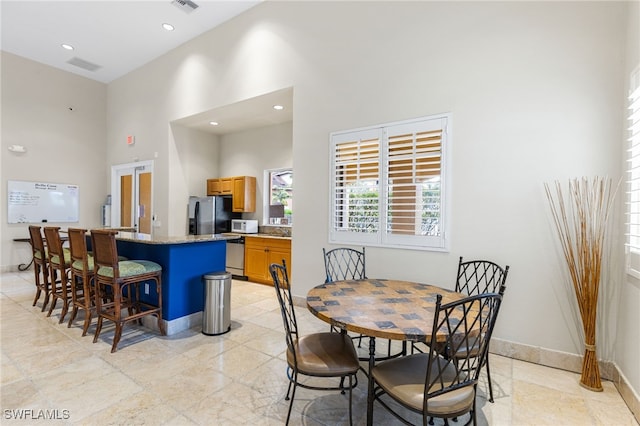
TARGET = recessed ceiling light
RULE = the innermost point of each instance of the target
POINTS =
(213, 123)
(67, 46)
(278, 107)
(168, 27)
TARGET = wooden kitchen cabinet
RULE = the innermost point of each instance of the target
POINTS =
(220, 186)
(241, 188)
(226, 186)
(244, 194)
(213, 187)
(260, 253)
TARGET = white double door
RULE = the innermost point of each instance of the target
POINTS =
(132, 196)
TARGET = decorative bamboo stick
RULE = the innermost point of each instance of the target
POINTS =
(581, 222)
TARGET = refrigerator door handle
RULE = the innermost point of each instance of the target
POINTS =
(196, 216)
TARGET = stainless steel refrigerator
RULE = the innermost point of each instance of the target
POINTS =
(210, 215)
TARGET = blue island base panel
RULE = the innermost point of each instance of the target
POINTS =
(183, 266)
(174, 326)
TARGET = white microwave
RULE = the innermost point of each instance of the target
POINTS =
(244, 226)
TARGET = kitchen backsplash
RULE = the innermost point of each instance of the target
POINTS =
(280, 231)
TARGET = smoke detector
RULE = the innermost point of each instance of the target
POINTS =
(187, 6)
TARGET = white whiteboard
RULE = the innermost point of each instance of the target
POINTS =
(34, 202)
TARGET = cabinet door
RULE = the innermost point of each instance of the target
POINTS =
(226, 186)
(256, 266)
(244, 194)
(276, 255)
(260, 253)
(238, 194)
(213, 187)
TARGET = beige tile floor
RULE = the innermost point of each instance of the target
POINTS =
(234, 379)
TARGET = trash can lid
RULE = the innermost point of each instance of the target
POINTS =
(220, 275)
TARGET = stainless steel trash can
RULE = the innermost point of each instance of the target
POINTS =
(216, 318)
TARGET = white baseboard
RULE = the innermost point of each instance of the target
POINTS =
(569, 362)
(556, 359)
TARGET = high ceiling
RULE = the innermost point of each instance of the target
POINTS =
(120, 36)
(117, 36)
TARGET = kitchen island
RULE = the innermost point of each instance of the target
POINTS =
(184, 260)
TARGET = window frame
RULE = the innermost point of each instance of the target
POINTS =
(380, 235)
(266, 202)
(632, 243)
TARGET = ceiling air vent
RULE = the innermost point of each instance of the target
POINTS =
(86, 65)
(186, 6)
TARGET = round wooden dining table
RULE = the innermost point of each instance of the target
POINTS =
(384, 308)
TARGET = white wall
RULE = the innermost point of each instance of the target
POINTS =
(195, 159)
(63, 145)
(252, 151)
(536, 90)
(627, 300)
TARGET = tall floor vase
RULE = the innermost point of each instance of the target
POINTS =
(580, 216)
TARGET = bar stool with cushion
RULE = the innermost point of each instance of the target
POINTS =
(123, 280)
(40, 266)
(81, 277)
(59, 268)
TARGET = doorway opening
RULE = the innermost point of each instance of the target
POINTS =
(132, 196)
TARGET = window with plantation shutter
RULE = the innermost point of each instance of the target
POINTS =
(388, 184)
(633, 178)
(355, 189)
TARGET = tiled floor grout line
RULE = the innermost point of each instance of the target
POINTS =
(555, 398)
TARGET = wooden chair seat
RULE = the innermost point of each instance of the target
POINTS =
(403, 380)
(314, 360)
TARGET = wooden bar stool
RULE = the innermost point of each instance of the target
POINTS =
(40, 266)
(59, 264)
(81, 277)
(123, 279)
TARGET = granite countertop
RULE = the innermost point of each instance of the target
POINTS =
(258, 235)
(184, 239)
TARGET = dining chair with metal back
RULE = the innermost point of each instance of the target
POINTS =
(344, 263)
(476, 277)
(481, 277)
(433, 384)
(317, 355)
